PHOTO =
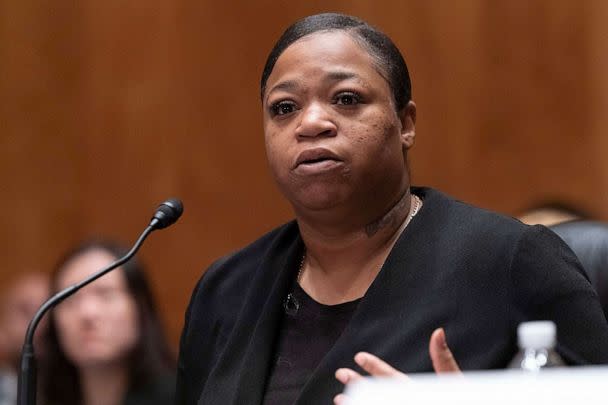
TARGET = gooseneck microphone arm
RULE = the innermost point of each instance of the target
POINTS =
(166, 214)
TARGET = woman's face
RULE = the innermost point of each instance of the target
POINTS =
(333, 136)
(99, 324)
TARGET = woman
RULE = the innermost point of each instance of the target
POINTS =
(106, 344)
(371, 263)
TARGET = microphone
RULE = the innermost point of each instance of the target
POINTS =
(166, 214)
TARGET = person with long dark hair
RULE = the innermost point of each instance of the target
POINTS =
(105, 344)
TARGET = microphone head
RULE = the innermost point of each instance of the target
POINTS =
(167, 213)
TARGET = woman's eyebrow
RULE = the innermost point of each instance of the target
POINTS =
(333, 76)
(284, 85)
(341, 75)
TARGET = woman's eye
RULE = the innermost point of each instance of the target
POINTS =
(348, 99)
(283, 108)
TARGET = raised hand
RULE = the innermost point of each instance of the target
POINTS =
(441, 357)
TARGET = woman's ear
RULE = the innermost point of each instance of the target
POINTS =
(407, 116)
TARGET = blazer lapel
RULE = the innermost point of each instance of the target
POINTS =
(241, 372)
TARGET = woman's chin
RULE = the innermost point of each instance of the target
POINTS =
(93, 356)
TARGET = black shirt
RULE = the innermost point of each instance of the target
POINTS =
(308, 330)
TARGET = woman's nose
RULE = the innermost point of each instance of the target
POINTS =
(316, 120)
(89, 307)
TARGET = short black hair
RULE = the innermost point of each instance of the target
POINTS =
(386, 55)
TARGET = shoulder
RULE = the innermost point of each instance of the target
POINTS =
(480, 239)
(548, 282)
(231, 270)
(443, 206)
(216, 303)
(461, 223)
(223, 285)
(528, 270)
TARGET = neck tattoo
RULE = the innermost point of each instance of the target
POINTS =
(414, 208)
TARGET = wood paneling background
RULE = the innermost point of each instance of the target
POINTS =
(109, 107)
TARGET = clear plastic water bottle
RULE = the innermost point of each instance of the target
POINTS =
(536, 342)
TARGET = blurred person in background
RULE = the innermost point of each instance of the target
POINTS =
(20, 301)
(552, 212)
(105, 343)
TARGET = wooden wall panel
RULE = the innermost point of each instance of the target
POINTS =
(109, 107)
(597, 101)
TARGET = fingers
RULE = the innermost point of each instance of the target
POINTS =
(370, 363)
(340, 399)
(375, 366)
(346, 375)
(441, 355)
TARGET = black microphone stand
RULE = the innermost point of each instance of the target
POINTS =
(167, 213)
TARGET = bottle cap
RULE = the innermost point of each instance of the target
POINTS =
(536, 335)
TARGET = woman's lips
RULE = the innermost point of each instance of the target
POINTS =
(316, 161)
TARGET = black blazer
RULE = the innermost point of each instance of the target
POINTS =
(473, 272)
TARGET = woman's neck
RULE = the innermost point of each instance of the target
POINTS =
(104, 385)
(340, 267)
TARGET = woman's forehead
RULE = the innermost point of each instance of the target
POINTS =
(324, 46)
(327, 55)
(86, 264)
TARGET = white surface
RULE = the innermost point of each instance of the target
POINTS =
(580, 385)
